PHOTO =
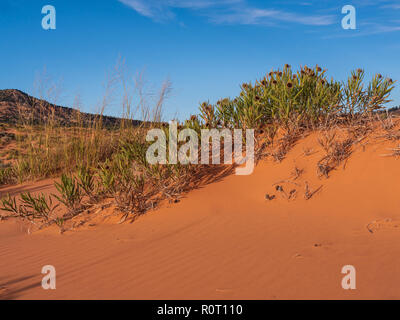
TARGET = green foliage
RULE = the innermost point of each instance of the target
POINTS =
(86, 180)
(134, 150)
(59, 222)
(360, 100)
(39, 206)
(21, 170)
(107, 178)
(6, 175)
(130, 198)
(193, 123)
(9, 204)
(70, 191)
(207, 113)
(305, 97)
(31, 207)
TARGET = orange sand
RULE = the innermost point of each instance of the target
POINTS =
(225, 241)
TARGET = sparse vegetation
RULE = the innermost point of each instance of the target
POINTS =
(335, 152)
(395, 152)
(6, 175)
(70, 192)
(31, 207)
(107, 159)
(86, 181)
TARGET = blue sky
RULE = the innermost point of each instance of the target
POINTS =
(207, 48)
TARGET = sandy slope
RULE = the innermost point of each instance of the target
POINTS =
(225, 241)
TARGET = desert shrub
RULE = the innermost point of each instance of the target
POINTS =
(31, 207)
(9, 204)
(21, 170)
(6, 137)
(359, 99)
(306, 97)
(336, 152)
(6, 175)
(86, 181)
(130, 197)
(133, 151)
(39, 206)
(207, 113)
(107, 179)
(70, 192)
(281, 96)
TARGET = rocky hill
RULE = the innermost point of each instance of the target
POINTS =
(17, 107)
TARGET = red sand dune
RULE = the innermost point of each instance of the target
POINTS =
(226, 241)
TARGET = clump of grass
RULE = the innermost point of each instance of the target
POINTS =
(9, 204)
(388, 125)
(107, 179)
(6, 175)
(131, 198)
(86, 182)
(39, 206)
(285, 144)
(70, 192)
(395, 152)
(335, 152)
(6, 137)
(60, 224)
(31, 207)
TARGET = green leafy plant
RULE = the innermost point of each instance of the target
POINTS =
(9, 204)
(70, 192)
(60, 224)
(39, 206)
(131, 198)
(31, 207)
(86, 181)
(134, 150)
(21, 170)
(6, 175)
(107, 178)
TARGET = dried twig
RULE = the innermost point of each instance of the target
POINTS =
(308, 193)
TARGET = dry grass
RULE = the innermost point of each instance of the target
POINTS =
(285, 144)
(309, 193)
(336, 152)
(395, 152)
(109, 162)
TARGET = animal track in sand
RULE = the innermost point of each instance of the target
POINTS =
(387, 223)
(309, 251)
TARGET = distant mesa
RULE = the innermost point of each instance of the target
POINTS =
(17, 106)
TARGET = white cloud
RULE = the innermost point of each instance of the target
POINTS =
(265, 16)
(161, 10)
(225, 11)
(140, 7)
(394, 6)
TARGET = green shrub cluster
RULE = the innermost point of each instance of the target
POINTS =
(306, 97)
